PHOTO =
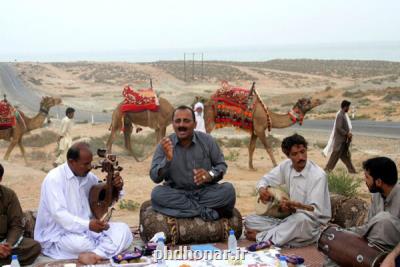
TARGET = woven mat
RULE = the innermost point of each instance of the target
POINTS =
(311, 255)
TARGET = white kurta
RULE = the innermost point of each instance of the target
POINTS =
(66, 140)
(200, 125)
(62, 225)
(310, 186)
(329, 146)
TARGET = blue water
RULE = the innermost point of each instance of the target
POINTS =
(389, 51)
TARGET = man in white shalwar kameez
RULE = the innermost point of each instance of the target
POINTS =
(199, 112)
(306, 183)
(65, 226)
(65, 137)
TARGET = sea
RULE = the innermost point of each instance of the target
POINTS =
(386, 51)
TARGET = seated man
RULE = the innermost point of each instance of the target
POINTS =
(65, 226)
(11, 230)
(191, 164)
(306, 183)
(383, 225)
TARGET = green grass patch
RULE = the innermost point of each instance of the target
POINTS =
(340, 182)
(233, 155)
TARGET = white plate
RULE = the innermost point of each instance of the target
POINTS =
(138, 264)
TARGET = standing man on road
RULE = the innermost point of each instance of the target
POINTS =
(65, 138)
(340, 139)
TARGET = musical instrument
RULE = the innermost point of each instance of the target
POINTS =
(272, 208)
(349, 249)
(103, 195)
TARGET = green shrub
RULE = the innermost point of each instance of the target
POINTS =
(340, 182)
(233, 155)
(128, 204)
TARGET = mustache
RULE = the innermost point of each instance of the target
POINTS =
(182, 128)
(301, 161)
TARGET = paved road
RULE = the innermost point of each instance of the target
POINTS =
(28, 99)
(18, 93)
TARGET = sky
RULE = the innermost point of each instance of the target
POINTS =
(72, 26)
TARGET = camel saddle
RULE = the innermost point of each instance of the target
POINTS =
(7, 115)
(234, 106)
(140, 100)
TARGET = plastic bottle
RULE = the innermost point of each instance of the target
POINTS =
(232, 242)
(160, 252)
(282, 261)
(14, 261)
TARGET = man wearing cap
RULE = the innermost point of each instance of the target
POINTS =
(190, 164)
(199, 112)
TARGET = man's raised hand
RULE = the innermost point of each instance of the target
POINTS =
(168, 148)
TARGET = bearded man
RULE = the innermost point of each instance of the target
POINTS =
(383, 225)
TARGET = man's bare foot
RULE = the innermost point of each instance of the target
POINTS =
(250, 234)
(89, 258)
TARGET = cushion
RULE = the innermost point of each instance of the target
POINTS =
(187, 230)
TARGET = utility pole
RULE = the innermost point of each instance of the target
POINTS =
(184, 65)
(193, 66)
(202, 65)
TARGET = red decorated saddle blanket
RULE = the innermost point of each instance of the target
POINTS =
(140, 100)
(7, 115)
(234, 106)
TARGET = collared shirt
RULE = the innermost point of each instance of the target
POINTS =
(203, 152)
(310, 187)
(391, 204)
(11, 215)
(64, 205)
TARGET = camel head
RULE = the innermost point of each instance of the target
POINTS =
(49, 102)
(304, 105)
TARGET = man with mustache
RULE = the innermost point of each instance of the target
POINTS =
(383, 225)
(190, 164)
(65, 226)
(306, 183)
(12, 240)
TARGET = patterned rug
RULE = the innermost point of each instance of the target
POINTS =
(7, 115)
(312, 257)
(140, 100)
(234, 106)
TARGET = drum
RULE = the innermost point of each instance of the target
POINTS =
(271, 208)
(349, 249)
(187, 230)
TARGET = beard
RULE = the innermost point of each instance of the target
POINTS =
(374, 189)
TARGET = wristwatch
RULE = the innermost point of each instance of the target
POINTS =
(212, 174)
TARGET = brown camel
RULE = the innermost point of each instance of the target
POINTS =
(25, 124)
(157, 120)
(260, 122)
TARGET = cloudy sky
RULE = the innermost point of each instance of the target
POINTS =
(68, 26)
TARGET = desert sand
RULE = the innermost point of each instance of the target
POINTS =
(98, 86)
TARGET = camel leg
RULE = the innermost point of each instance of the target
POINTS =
(21, 147)
(128, 128)
(158, 134)
(13, 143)
(263, 140)
(252, 147)
(111, 139)
(163, 132)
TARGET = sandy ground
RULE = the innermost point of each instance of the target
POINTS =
(98, 86)
(26, 180)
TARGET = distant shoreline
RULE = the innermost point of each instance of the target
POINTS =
(381, 51)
